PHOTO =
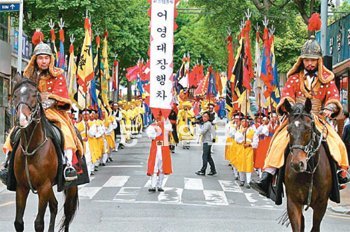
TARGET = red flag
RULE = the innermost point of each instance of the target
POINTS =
(132, 72)
(231, 59)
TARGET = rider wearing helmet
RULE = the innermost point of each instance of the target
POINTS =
(55, 100)
(308, 78)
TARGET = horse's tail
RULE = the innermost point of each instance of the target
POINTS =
(70, 207)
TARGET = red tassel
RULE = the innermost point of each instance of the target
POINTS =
(71, 48)
(38, 37)
(87, 23)
(115, 63)
(229, 39)
(106, 34)
(98, 40)
(314, 22)
(62, 35)
(53, 35)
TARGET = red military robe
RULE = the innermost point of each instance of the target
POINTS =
(166, 158)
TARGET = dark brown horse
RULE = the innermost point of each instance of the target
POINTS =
(308, 177)
(36, 161)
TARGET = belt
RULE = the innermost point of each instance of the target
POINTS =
(159, 143)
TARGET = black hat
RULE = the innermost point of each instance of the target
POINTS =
(259, 114)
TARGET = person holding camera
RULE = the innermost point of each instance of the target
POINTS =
(208, 134)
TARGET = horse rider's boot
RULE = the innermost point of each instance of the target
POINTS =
(4, 170)
(69, 172)
(262, 186)
(343, 177)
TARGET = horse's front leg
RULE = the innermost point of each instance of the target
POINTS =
(44, 196)
(21, 201)
(319, 211)
(295, 215)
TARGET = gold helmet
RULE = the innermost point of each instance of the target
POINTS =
(42, 49)
(311, 49)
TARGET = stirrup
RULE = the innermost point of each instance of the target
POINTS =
(72, 173)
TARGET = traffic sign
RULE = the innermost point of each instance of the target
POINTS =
(9, 7)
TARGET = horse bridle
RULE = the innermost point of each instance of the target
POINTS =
(33, 118)
(311, 151)
(309, 148)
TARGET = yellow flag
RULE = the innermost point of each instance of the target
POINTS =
(72, 75)
(85, 66)
(105, 76)
(244, 104)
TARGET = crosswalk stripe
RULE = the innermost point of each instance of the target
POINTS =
(127, 194)
(148, 183)
(230, 186)
(171, 195)
(214, 197)
(250, 198)
(116, 181)
(193, 184)
(89, 192)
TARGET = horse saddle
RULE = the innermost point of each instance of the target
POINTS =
(52, 131)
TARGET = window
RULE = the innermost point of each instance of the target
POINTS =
(3, 27)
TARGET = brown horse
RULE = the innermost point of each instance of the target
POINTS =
(308, 177)
(36, 162)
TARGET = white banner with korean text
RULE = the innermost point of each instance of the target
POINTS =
(161, 53)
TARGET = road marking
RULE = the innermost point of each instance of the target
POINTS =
(230, 186)
(214, 197)
(8, 203)
(250, 198)
(148, 183)
(123, 166)
(193, 184)
(171, 195)
(116, 181)
(89, 192)
(127, 194)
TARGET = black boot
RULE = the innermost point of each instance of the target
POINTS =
(4, 171)
(343, 176)
(262, 186)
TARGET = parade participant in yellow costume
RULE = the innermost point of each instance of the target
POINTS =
(247, 140)
(185, 118)
(125, 132)
(308, 78)
(110, 124)
(128, 117)
(83, 127)
(101, 143)
(54, 95)
(93, 134)
(139, 115)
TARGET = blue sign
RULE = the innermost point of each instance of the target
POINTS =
(9, 7)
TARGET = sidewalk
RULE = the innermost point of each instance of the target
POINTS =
(344, 206)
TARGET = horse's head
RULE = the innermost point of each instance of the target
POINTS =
(26, 100)
(302, 135)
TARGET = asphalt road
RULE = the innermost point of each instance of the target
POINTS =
(117, 199)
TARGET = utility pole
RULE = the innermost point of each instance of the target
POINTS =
(324, 18)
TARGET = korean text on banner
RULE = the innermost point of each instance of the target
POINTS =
(162, 43)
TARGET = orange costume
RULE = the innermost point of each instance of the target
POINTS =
(323, 92)
(159, 143)
(54, 83)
